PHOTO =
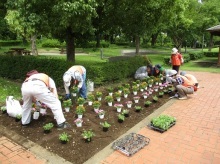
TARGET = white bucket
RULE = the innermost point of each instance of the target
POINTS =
(90, 86)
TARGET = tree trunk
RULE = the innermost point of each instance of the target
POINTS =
(153, 39)
(33, 45)
(211, 43)
(218, 64)
(97, 39)
(70, 45)
(137, 43)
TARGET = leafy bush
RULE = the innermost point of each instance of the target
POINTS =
(10, 42)
(211, 54)
(51, 43)
(195, 55)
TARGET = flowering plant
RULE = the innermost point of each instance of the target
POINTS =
(78, 121)
(143, 85)
(98, 94)
(134, 88)
(110, 89)
(118, 105)
(128, 102)
(100, 112)
(126, 91)
(145, 94)
(117, 94)
(96, 104)
(109, 98)
(91, 97)
(80, 109)
(136, 98)
(74, 89)
(80, 100)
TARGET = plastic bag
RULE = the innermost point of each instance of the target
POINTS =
(13, 106)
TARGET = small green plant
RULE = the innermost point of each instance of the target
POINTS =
(138, 81)
(134, 83)
(120, 88)
(161, 94)
(67, 103)
(90, 97)
(147, 103)
(96, 104)
(74, 89)
(121, 117)
(135, 88)
(18, 116)
(98, 94)
(110, 89)
(138, 108)
(48, 126)
(88, 134)
(117, 94)
(163, 121)
(125, 111)
(126, 90)
(81, 100)
(109, 99)
(3, 109)
(155, 98)
(64, 137)
(143, 85)
(80, 110)
(105, 124)
(127, 85)
(165, 91)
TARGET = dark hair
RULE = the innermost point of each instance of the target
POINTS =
(32, 72)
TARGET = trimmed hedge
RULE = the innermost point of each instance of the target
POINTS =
(211, 54)
(16, 67)
(10, 42)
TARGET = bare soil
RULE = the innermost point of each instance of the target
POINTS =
(77, 150)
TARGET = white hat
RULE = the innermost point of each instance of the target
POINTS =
(174, 51)
(67, 79)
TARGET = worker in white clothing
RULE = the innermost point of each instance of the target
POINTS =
(75, 75)
(41, 87)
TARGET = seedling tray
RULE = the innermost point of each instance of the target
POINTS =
(158, 129)
(131, 143)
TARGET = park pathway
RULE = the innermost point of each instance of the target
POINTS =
(194, 139)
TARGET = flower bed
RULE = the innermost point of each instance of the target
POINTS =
(73, 150)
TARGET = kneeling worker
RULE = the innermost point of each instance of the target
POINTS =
(75, 75)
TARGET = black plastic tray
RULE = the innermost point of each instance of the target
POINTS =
(158, 129)
(131, 143)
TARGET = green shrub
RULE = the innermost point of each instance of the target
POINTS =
(195, 55)
(16, 67)
(211, 54)
(51, 43)
(10, 42)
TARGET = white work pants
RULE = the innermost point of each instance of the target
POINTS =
(39, 90)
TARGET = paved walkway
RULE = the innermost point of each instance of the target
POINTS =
(194, 139)
(196, 136)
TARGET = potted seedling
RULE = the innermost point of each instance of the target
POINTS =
(80, 110)
(121, 118)
(120, 88)
(67, 104)
(78, 122)
(3, 109)
(156, 88)
(165, 91)
(162, 122)
(138, 108)
(43, 109)
(105, 126)
(117, 96)
(135, 89)
(143, 86)
(74, 91)
(145, 95)
(47, 127)
(110, 91)
(18, 117)
(147, 103)
(64, 138)
(99, 95)
(101, 113)
(155, 98)
(126, 91)
(96, 105)
(81, 101)
(129, 104)
(150, 82)
(87, 135)
(136, 99)
(109, 100)
(138, 82)
(160, 94)
(118, 107)
(125, 112)
(127, 85)
(90, 98)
